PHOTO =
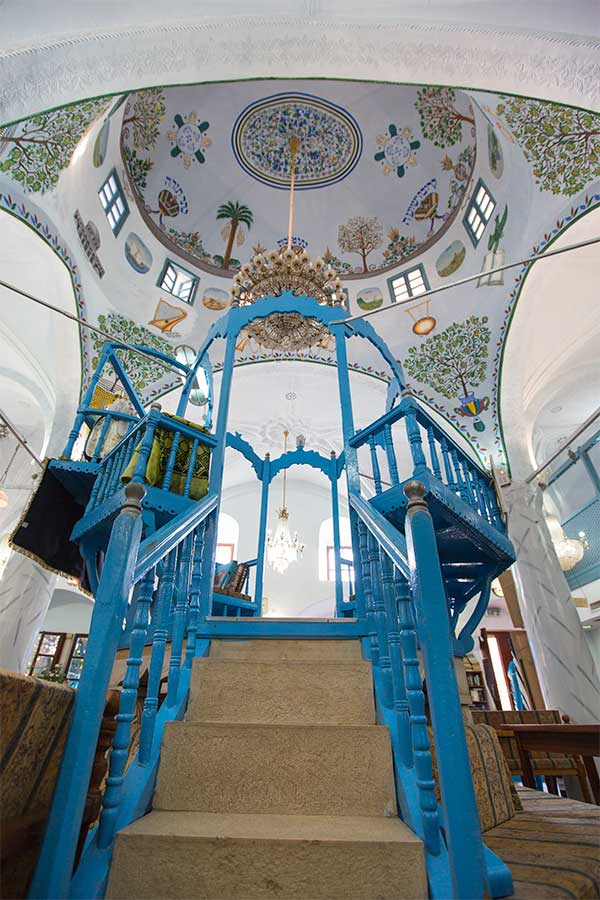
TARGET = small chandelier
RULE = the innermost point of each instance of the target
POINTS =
(569, 550)
(282, 548)
(288, 269)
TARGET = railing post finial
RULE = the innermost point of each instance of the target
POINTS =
(156, 406)
(415, 491)
(406, 392)
(134, 494)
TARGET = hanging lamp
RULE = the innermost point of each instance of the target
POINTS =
(282, 548)
(289, 268)
(569, 550)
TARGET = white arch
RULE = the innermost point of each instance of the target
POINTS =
(60, 57)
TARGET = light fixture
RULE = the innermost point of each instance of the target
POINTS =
(288, 269)
(282, 548)
(569, 551)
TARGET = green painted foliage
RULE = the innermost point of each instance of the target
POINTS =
(441, 121)
(561, 143)
(143, 114)
(138, 167)
(142, 370)
(453, 360)
(42, 146)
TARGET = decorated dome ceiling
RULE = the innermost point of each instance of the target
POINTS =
(380, 169)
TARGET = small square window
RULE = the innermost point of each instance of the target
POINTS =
(178, 281)
(408, 284)
(113, 202)
(479, 212)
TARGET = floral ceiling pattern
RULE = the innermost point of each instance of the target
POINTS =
(191, 152)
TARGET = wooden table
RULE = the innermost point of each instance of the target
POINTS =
(568, 740)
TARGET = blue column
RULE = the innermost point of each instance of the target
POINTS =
(351, 456)
(463, 832)
(262, 532)
(337, 546)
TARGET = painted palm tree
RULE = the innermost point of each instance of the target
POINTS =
(238, 214)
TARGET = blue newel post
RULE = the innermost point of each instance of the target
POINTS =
(262, 532)
(463, 832)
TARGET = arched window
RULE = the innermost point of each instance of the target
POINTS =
(326, 549)
(228, 534)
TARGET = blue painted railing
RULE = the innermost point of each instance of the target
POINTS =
(164, 571)
(432, 449)
(406, 612)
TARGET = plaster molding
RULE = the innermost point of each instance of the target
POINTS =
(557, 67)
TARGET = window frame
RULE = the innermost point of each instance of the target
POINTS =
(120, 194)
(405, 276)
(231, 547)
(55, 658)
(330, 555)
(71, 655)
(196, 279)
(474, 204)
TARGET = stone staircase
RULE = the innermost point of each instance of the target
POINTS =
(278, 784)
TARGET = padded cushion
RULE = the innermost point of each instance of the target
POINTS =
(551, 848)
(491, 779)
(541, 760)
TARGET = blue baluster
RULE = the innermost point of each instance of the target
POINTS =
(337, 554)
(375, 464)
(494, 508)
(450, 480)
(418, 720)
(391, 455)
(262, 532)
(179, 617)
(462, 829)
(480, 494)
(171, 461)
(85, 403)
(107, 467)
(460, 482)
(190, 471)
(162, 606)
(435, 463)
(194, 605)
(400, 702)
(120, 747)
(139, 473)
(379, 619)
(471, 498)
(414, 437)
(367, 583)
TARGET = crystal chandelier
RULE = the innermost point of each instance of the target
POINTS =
(288, 269)
(569, 550)
(282, 548)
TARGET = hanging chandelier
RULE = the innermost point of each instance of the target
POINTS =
(282, 548)
(568, 550)
(288, 269)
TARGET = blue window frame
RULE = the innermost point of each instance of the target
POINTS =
(178, 282)
(113, 202)
(408, 284)
(479, 212)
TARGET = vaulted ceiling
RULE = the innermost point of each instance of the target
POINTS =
(385, 174)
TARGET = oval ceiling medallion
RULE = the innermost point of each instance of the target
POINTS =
(330, 141)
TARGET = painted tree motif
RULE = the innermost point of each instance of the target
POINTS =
(441, 121)
(138, 167)
(42, 146)
(144, 112)
(362, 235)
(142, 370)
(561, 143)
(238, 214)
(454, 359)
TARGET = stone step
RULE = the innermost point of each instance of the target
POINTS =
(294, 692)
(326, 650)
(276, 769)
(259, 857)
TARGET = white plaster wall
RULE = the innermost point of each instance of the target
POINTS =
(69, 612)
(298, 593)
(25, 592)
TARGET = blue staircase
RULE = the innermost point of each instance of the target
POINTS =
(424, 548)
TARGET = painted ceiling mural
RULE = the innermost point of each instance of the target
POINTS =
(380, 170)
(385, 175)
